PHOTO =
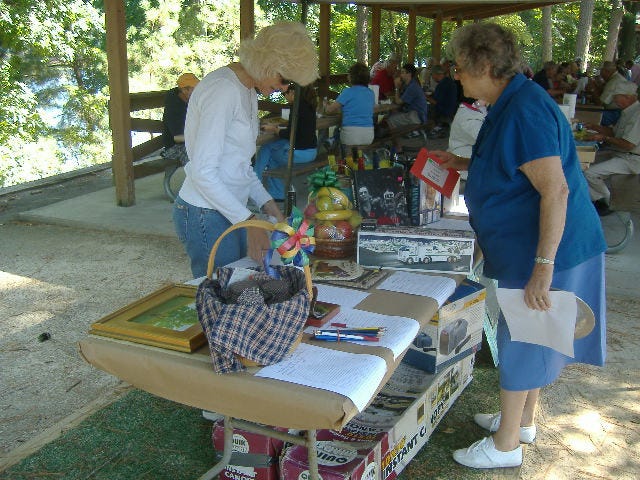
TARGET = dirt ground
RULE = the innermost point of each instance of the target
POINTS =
(58, 280)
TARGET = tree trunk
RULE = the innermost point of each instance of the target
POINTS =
(547, 44)
(614, 27)
(584, 32)
(627, 43)
(362, 39)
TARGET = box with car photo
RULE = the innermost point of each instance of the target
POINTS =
(417, 248)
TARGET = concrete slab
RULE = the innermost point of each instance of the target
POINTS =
(151, 215)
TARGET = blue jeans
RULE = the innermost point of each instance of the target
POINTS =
(198, 229)
(275, 155)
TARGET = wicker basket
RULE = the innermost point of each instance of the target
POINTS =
(327, 248)
(269, 227)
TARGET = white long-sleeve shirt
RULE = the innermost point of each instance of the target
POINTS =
(464, 129)
(220, 136)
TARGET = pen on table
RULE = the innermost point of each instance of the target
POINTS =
(356, 327)
(336, 337)
(351, 331)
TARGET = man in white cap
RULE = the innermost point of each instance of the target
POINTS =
(622, 142)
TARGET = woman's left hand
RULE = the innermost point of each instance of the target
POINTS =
(536, 292)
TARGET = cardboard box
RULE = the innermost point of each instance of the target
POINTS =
(453, 333)
(414, 428)
(586, 155)
(417, 248)
(254, 457)
(378, 443)
(447, 388)
(425, 202)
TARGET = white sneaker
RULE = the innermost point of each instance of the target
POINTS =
(483, 454)
(491, 422)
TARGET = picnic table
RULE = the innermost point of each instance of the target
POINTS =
(188, 378)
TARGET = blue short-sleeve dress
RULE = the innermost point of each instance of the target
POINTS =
(525, 124)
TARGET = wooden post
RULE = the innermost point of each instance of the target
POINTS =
(411, 37)
(375, 33)
(119, 114)
(247, 21)
(436, 39)
(324, 34)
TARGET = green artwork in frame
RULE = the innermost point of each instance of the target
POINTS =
(177, 314)
(166, 318)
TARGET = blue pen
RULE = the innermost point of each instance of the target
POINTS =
(368, 332)
(337, 337)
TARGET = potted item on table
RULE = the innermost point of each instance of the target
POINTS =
(336, 221)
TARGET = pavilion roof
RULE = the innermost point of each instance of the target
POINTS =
(452, 10)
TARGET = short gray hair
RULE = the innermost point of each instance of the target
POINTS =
(481, 46)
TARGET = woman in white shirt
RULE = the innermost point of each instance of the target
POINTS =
(220, 137)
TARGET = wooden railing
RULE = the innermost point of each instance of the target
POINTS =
(150, 100)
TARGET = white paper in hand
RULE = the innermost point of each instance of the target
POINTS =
(553, 328)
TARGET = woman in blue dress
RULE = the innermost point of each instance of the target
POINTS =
(529, 207)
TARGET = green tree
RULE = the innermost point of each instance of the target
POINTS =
(53, 61)
(53, 71)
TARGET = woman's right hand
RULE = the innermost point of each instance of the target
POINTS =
(449, 160)
(258, 243)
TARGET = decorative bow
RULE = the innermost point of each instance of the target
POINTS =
(293, 240)
(322, 178)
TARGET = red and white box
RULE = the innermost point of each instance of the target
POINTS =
(351, 454)
(254, 457)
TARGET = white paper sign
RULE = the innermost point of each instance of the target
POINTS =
(353, 375)
(345, 297)
(434, 286)
(553, 328)
(433, 172)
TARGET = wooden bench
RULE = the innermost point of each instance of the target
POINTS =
(391, 137)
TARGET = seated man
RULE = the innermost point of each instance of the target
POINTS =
(611, 76)
(174, 116)
(547, 79)
(444, 100)
(623, 139)
(410, 96)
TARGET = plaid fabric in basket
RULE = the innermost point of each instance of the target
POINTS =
(256, 331)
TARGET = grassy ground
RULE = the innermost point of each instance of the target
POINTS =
(145, 437)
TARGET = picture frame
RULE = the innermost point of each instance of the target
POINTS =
(166, 318)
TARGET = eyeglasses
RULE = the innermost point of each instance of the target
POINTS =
(288, 83)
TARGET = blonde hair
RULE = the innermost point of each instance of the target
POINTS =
(284, 49)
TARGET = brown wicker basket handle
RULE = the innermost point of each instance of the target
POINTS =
(255, 224)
